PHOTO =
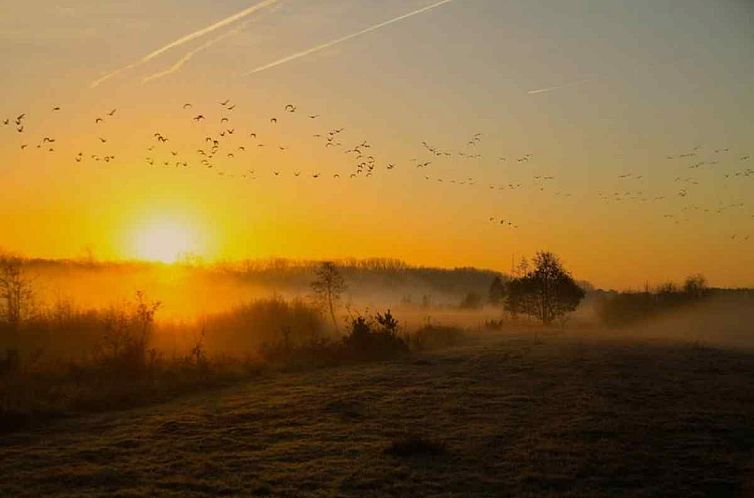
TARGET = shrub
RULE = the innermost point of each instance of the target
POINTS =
(126, 338)
(368, 340)
(624, 308)
(259, 324)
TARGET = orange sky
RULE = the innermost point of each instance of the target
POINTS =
(599, 95)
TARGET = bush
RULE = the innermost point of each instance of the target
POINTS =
(261, 323)
(624, 308)
(368, 340)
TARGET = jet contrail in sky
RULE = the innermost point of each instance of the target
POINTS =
(337, 41)
(185, 39)
(553, 88)
(190, 54)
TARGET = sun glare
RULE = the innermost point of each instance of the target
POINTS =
(165, 241)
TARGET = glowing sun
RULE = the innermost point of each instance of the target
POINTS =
(164, 240)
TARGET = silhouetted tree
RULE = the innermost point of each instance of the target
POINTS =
(15, 290)
(546, 292)
(497, 291)
(471, 301)
(695, 286)
(328, 287)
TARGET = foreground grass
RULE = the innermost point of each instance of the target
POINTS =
(567, 417)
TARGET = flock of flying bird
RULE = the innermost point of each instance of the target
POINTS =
(223, 143)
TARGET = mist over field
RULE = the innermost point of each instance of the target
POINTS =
(195, 298)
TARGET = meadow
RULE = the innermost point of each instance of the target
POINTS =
(420, 387)
(496, 416)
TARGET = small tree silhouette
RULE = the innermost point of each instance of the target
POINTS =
(15, 290)
(328, 287)
(547, 292)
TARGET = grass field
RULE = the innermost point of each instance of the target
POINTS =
(500, 416)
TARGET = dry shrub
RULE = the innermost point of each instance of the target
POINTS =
(249, 326)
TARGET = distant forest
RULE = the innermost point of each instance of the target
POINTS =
(364, 277)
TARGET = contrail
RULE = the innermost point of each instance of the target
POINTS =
(553, 88)
(337, 41)
(189, 55)
(196, 34)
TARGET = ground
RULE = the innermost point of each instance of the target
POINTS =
(503, 416)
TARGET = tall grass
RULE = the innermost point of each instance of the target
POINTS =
(65, 360)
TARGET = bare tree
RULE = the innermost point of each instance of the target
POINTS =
(328, 287)
(15, 290)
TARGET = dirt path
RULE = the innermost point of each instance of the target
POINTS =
(563, 418)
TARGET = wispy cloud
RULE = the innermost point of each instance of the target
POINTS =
(342, 39)
(185, 39)
(553, 88)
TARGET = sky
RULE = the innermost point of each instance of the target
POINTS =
(625, 127)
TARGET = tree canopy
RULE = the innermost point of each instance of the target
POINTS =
(546, 292)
